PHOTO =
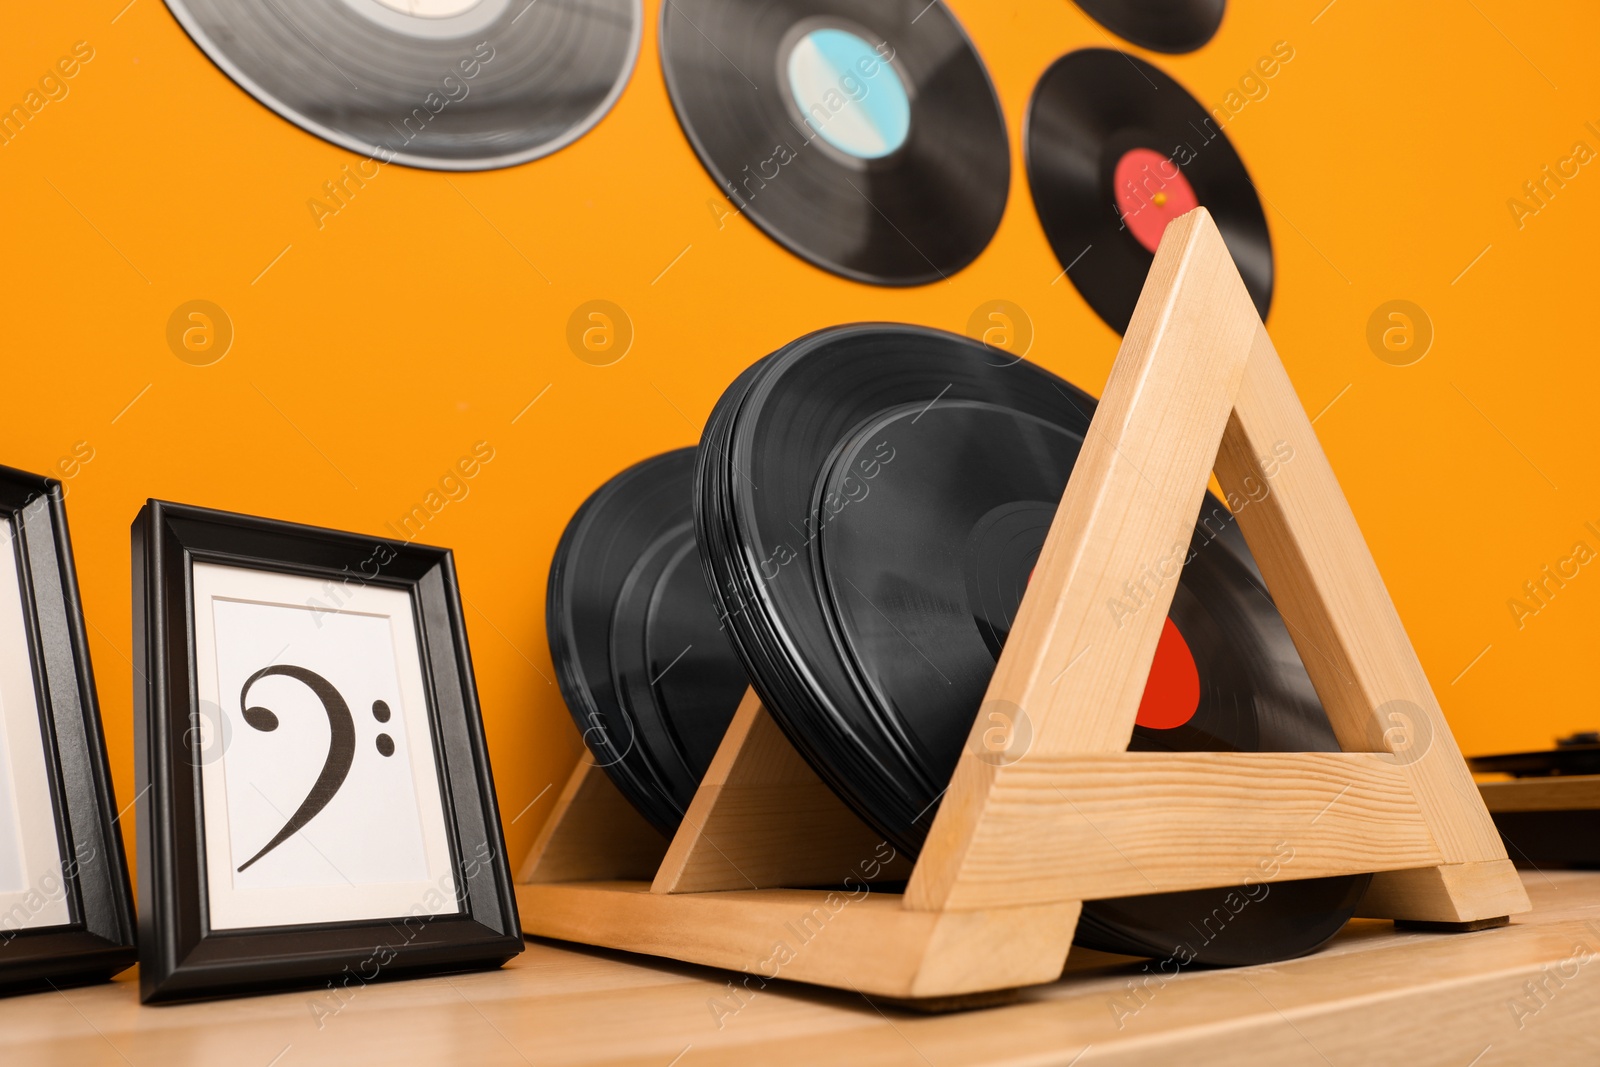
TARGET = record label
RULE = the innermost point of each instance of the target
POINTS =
(862, 135)
(431, 18)
(433, 9)
(1151, 191)
(1115, 150)
(1172, 692)
(848, 93)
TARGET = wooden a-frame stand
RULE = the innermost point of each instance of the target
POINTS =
(1020, 841)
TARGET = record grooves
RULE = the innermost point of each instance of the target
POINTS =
(863, 135)
(645, 671)
(1115, 149)
(443, 84)
(1171, 26)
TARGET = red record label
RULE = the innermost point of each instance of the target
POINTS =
(1151, 191)
(1172, 692)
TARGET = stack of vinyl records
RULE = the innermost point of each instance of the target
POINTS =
(640, 658)
(868, 503)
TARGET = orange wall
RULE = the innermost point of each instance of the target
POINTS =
(382, 346)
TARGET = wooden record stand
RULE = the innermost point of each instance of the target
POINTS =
(1027, 830)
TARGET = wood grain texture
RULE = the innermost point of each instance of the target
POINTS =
(1311, 552)
(762, 818)
(1072, 666)
(1372, 996)
(1452, 892)
(1022, 838)
(1578, 792)
(592, 834)
(861, 940)
(1103, 825)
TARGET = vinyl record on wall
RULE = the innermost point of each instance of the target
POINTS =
(1115, 150)
(445, 84)
(1170, 26)
(862, 135)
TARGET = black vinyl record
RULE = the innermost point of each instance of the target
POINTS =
(1170, 26)
(870, 502)
(862, 135)
(1578, 754)
(445, 84)
(1115, 149)
(639, 654)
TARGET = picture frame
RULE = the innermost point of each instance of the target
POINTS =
(66, 910)
(317, 805)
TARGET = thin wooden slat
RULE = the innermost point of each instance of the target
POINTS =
(865, 941)
(1578, 792)
(593, 833)
(762, 818)
(1088, 827)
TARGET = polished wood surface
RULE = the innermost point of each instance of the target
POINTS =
(873, 945)
(1097, 825)
(1525, 993)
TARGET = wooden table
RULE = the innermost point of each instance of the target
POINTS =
(1374, 995)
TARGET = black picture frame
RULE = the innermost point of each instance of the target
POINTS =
(181, 957)
(98, 941)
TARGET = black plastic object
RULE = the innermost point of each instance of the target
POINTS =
(1091, 108)
(639, 654)
(916, 215)
(1170, 26)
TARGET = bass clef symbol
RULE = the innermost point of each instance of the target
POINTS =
(341, 745)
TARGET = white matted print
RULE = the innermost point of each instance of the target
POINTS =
(32, 890)
(321, 794)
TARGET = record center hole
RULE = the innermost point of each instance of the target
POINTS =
(1150, 192)
(849, 94)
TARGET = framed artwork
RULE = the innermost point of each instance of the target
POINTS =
(320, 807)
(66, 915)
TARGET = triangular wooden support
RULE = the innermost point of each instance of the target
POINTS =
(1020, 842)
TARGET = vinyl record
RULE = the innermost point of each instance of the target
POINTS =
(862, 135)
(1115, 150)
(446, 84)
(870, 504)
(1170, 26)
(639, 653)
